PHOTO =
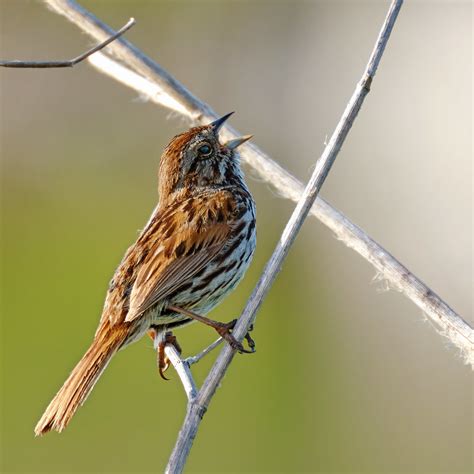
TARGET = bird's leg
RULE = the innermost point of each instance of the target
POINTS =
(193, 359)
(164, 338)
(223, 329)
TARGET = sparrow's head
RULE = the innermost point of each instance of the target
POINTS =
(197, 159)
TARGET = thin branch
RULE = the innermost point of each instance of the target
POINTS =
(194, 359)
(68, 62)
(153, 81)
(183, 371)
(145, 87)
(198, 407)
(181, 366)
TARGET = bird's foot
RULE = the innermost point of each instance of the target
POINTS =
(163, 361)
(225, 331)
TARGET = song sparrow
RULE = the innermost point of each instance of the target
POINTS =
(193, 251)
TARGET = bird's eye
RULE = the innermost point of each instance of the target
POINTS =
(205, 149)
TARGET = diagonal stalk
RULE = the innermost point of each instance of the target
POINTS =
(198, 406)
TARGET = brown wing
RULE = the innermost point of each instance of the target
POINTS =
(174, 263)
(177, 243)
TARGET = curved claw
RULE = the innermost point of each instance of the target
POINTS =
(163, 362)
(224, 330)
(250, 341)
(162, 371)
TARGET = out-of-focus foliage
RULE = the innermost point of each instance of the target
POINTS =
(345, 378)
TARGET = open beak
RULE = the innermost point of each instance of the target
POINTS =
(233, 144)
(217, 124)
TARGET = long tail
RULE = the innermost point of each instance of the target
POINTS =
(82, 380)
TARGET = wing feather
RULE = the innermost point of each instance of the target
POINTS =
(177, 243)
(163, 274)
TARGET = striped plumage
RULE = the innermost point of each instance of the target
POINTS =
(194, 250)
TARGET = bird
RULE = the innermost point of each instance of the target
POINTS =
(194, 250)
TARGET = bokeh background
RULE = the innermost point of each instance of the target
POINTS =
(348, 377)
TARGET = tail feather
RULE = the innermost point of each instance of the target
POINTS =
(81, 381)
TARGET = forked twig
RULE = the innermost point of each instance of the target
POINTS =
(68, 62)
(150, 79)
(195, 359)
(183, 371)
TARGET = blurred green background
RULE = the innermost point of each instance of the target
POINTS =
(347, 377)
